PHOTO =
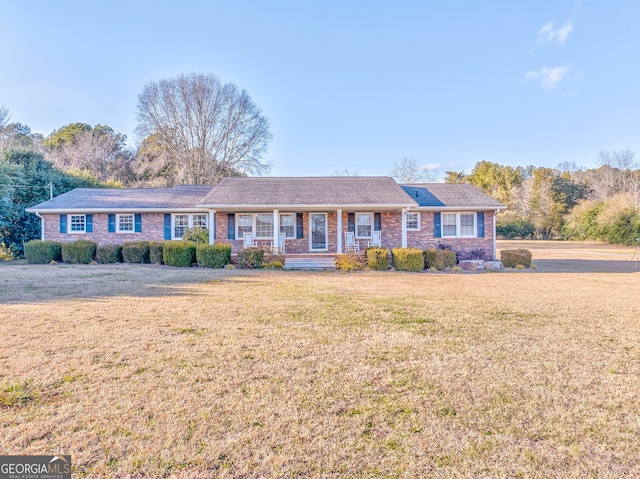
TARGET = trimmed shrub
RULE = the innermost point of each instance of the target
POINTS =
(408, 259)
(213, 256)
(439, 259)
(155, 253)
(80, 252)
(349, 262)
(512, 258)
(179, 253)
(137, 252)
(42, 252)
(250, 258)
(197, 235)
(109, 254)
(378, 259)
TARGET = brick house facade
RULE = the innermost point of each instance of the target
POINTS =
(421, 216)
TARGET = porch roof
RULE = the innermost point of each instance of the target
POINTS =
(311, 193)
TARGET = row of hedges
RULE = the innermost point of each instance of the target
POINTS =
(171, 253)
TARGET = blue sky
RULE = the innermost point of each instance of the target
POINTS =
(354, 85)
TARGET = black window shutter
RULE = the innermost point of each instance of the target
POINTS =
(137, 223)
(63, 223)
(231, 226)
(480, 216)
(299, 226)
(89, 223)
(437, 225)
(351, 222)
(167, 226)
(112, 224)
(377, 222)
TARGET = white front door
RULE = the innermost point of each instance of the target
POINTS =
(319, 233)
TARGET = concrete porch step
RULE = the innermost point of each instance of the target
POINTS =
(326, 262)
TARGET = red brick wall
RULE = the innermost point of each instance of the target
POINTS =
(425, 238)
(152, 230)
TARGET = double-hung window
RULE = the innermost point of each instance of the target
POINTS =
(458, 224)
(413, 221)
(264, 225)
(183, 221)
(77, 223)
(125, 223)
(364, 225)
(245, 224)
(288, 224)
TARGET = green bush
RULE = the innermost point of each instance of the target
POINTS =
(250, 258)
(349, 262)
(42, 252)
(80, 252)
(273, 265)
(515, 229)
(196, 235)
(179, 253)
(439, 259)
(155, 253)
(137, 252)
(512, 258)
(213, 256)
(378, 259)
(109, 254)
(408, 259)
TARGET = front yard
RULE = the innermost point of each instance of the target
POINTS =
(147, 371)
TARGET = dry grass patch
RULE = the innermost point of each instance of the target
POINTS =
(162, 372)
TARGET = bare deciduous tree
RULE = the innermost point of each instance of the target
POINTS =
(345, 172)
(407, 170)
(99, 151)
(208, 129)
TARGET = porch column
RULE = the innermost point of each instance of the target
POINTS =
(339, 230)
(276, 228)
(404, 227)
(212, 226)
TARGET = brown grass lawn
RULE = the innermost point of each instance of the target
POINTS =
(145, 371)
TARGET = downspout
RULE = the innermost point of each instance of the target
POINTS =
(212, 226)
(41, 225)
(404, 226)
(495, 250)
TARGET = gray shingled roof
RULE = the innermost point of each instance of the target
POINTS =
(450, 195)
(308, 191)
(178, 197)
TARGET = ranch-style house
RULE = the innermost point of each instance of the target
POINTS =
(302, 215)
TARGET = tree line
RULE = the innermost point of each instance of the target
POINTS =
(566, 202)
(192, 129)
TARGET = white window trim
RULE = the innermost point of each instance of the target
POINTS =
(189, 223)
(294, 224)
(70, 231)
(458, 235)
(407, 220)
(118, 230)
(373, 220)
(254, 228)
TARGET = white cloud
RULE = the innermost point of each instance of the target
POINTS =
(549, 77)
(547, 34)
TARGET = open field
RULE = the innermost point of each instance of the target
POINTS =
(145, 371)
